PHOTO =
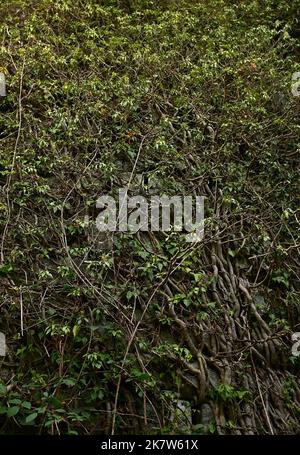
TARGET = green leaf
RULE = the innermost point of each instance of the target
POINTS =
(75, 330)
(5, 269)
(2, 389)
(54, 402)
(31, 417)
(13, 411)
(26, 405)
(69, 381)
(15, 401)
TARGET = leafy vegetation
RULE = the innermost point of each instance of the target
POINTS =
(106, 332)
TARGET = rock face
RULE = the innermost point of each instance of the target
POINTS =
(207, 416)
(182, 415)
(2, 345)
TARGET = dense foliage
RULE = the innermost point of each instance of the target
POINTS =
(105, 333)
